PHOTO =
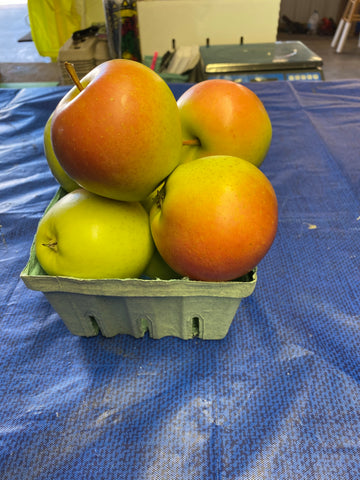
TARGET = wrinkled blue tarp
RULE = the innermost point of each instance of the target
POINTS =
(278, 398)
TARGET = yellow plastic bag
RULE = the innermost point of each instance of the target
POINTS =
(52, 23)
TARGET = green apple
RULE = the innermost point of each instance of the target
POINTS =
(84, 235)
(215, 219)
(58, 172)
(158, 268)
(221, 117)
(120, 135)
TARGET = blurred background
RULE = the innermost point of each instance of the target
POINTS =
(25, 29)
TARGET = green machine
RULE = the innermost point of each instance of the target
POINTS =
(259, 62)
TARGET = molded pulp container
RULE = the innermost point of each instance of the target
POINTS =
(181, 307)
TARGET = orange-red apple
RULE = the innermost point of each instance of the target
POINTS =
(215, 219)
(224, 118)
(120, 136)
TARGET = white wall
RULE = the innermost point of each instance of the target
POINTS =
(191, 22)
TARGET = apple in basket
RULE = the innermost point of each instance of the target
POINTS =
(215, 218)
(157, 268)
(85, 235)
(118, 132)
(221, 117)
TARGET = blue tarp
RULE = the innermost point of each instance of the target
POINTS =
(277, 399)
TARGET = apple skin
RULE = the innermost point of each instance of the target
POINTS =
(84, 235)
(217, 218)
(227, 118)
(121, 135)
(58, 172)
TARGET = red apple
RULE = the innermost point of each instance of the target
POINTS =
(120, 136)
(215, 219)
(221, 117)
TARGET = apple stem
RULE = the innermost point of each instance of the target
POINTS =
(194, 142)
(73, 75)
(160, 195)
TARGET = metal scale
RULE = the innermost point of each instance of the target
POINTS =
(259, 62)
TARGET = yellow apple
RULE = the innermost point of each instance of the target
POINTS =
(221, 117)
(58, 172)
(84, 235)
(120, 136)
(158, 268)
(215, 219)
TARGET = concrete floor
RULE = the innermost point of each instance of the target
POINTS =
(20, 61)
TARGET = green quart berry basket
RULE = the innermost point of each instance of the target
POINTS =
(180, 308)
